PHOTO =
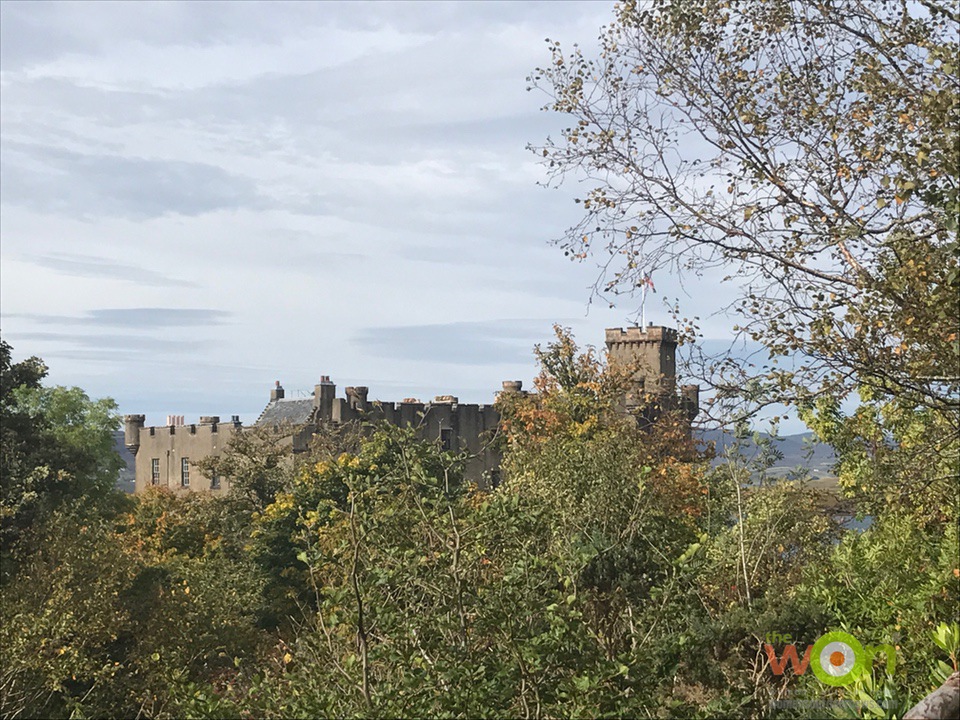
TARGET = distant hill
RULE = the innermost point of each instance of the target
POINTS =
(127, 474)
(799, 451)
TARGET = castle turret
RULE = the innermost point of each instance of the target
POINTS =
(357, 397)
(512, 386)
(132, 424)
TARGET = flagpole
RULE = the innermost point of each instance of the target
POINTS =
(643, 305)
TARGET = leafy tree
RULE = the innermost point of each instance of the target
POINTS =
(901, 603)
(60, 621)
(625, 502)
(809, 149)
(195, 600)
(266, 483)
(24, 374)
(433, 598)
(571, 446)
(893, 456)
(258, 463)
(56, 448)
(124, 616)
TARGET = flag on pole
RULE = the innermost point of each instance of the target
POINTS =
(647, 282)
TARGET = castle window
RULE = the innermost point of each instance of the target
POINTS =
(155, 471)
(215, 481)
(446, 439)
(185, 472)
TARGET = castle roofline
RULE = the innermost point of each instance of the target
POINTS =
(651, 333)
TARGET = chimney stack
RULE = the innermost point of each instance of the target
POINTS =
(277, 392)
(323, 396)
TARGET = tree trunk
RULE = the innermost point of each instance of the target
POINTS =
(942, 704)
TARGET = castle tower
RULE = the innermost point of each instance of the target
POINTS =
(650, 352)
(132, 424)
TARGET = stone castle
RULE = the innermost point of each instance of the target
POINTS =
(166, 455)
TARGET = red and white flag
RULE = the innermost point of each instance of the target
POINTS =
(646, 283)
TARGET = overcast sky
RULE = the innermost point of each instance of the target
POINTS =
(198, 199)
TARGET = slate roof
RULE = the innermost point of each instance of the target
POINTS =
(296, 411)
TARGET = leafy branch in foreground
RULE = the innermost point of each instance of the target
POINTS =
(807, 149)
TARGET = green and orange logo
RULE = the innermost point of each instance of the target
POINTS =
(837, 658)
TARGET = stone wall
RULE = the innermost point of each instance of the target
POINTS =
(649, 352)
(165, 448)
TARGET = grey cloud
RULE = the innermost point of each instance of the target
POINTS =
(311, 262)
(469, 251)
(552, 285)
(439, 17)
(374, 89)
(101, 345)
(43, 106)
(506, 135)
(93, 266)
(292, 251)
(84, 355)
(355, 127)
(465, 215)
(506, 251)
(57, 180)
(460, 343)
(37, 32)
(28, 34)
(135, 318)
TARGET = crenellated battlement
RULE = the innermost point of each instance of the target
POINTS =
(651, 333)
